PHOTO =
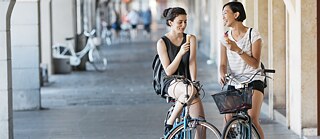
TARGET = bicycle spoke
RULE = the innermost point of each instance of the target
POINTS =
(238, 128)
(98, 62)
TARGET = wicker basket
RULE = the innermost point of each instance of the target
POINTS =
(232, 101)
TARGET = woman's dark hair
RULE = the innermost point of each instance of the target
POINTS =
(237, 7)
(172, 13)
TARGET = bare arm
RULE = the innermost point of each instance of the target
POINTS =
(253, 60)
(170, 68)
(223, 64)
(193, 58)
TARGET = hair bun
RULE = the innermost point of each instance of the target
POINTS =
(165, 12)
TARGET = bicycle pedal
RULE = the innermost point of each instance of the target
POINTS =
(162, 138)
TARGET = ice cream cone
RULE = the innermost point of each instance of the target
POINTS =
(188, 38)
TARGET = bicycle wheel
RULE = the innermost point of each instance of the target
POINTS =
(237, 128)
(196, 129)
(96, 59)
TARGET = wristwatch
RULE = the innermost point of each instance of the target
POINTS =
(241, 52)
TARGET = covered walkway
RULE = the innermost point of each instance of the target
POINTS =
(118, 103)
(90, 104)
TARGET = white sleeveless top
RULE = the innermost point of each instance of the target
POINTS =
(236, 65)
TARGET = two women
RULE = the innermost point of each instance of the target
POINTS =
(240, 53)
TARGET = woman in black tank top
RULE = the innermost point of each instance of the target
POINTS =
(178, 57)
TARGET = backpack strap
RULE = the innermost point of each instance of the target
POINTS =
(261, 64)
(250, 36)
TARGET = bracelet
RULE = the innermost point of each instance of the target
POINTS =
(241, 52)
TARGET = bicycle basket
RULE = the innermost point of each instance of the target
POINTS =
(232, 101)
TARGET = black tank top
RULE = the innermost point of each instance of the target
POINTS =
(173, 50)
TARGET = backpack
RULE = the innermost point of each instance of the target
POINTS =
(157, 79)
(262, 66)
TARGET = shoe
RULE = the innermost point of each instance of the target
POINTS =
(167, 128)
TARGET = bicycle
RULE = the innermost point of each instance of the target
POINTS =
(95, 57)
(186, 127)
(106, 34)
(238, 102)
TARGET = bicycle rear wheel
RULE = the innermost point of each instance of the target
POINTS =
(97, 60)
(196, 129)
(238, 128)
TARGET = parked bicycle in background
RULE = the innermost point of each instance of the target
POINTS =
(98, 61)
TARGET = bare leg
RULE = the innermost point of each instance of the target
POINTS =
(196, 111)
(254, 113)
(177, 91)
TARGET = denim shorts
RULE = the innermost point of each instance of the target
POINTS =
(256, 85)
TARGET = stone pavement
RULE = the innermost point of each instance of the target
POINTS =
(118, 103)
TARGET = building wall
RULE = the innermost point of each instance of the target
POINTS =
(25, 55)
(6, 120)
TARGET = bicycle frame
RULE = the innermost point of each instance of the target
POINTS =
(69, 52)
(185, 110)
(242, 114)
(89, 46)
(184, 122)
(186, 127)
(245, 115)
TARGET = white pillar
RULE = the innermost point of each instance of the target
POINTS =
(294, 65)
(277, 56)
(46, 31)
(25, 55)
(6, 123)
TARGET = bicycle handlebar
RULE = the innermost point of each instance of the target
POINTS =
(241, 83)
(89, 34)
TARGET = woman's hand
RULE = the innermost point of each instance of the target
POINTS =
(222, 80)
(234, 47)
(231, 45)
(184, 49)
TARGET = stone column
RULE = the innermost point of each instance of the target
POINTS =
(213, 39)
(261, 23)
(216, 30)
(309, 69)
(250, 11)
(277, 55)
(197, 18)
(63, 21)
(25, 55)
(294, 66)
(46, 31)
(64, 25)
(6, 123)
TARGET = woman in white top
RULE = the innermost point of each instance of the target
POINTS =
(240, 54)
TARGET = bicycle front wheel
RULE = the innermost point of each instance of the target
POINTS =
(97, 60)
(195, 130)
(238, 128)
